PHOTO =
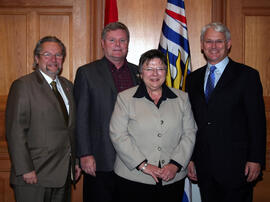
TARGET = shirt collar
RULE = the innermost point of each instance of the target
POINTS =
(220, 66)
(142, 92)
(49, 79)
(112, 66)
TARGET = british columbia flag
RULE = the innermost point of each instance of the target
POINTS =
(174, 44)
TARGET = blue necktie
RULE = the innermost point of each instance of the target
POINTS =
(210, 85)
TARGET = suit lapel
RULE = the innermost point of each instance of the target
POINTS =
(46, 89)
(68, 93)
(134, 74)
(226, 78)
(107, 75)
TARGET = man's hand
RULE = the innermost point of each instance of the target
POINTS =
(88, 164)
(192, 171)
(168, 172)
(252, 171)
(30, 178)
(77, 172)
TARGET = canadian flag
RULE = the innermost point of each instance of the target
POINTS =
(111, 12)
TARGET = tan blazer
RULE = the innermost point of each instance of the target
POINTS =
(38, 137)
(139, 130)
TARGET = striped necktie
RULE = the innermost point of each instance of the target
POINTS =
(210, 85)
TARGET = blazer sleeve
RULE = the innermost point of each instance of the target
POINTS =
(18, 117)
(183, 151)
(82, 100)
(123, 143)
(254, 105)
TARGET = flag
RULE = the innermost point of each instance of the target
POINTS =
(174, 44)
(111, 12)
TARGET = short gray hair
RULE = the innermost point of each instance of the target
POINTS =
(218, 27)
(114, 26)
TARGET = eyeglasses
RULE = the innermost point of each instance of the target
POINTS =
(152, 70)
(217, 42)
(49, 55)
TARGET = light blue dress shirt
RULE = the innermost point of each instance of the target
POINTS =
(218, 72)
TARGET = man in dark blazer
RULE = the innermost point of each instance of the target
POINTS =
(96, 87)
(40, 134)
(231, 138)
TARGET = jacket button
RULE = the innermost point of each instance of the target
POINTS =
(208, 123)
(159, 148)
(162, 161)
(159, 135)
(161, 122)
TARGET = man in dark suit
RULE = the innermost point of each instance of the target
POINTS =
(40, 129)
(228, 106)
(96, 87)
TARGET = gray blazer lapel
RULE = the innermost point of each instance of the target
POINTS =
(107, 75)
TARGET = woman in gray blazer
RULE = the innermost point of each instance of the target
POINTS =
(153, 131)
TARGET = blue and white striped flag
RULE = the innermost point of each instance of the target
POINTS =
(174, 43)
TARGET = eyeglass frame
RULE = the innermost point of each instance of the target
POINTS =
(218, 42)
(50, 55)
(159, 70)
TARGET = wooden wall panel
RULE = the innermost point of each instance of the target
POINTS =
(35, 3)
(257, 30)
(2, 122)
(249, 22)
(13, 48)
(79, 23)
(6, 193)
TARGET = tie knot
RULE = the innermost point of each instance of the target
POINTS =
(53, 84)
(212, 69)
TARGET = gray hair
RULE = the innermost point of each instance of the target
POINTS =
(38, 47)
(114, 26)
(218, 27)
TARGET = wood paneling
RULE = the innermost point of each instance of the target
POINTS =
(257, 30)
(13, 48)
(35, 3)
(249, 22)
(78, 23)
(2, 122)
(6, 193)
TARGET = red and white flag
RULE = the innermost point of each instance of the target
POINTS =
(111, 12)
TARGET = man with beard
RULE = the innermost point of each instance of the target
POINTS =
(40, 123)
(228, 106)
